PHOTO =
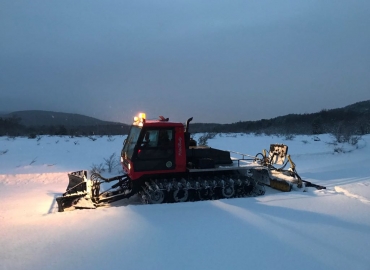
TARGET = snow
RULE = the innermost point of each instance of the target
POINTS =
(317, 229)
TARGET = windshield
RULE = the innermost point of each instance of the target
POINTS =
(130, 143)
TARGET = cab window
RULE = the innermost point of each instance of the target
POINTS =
(157, 138)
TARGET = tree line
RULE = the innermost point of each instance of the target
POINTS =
(12, 127)
(353, 120)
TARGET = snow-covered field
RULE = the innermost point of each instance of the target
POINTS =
(326, 229)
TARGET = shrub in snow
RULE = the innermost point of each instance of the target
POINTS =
(111, 162)
(289, 137)
(97, 168)
(32, 136)
(258, 133)
(33, 161)
(354, 140)
(338, 149)
(204, 138)
(346, 135)
(110, 138)
(92, 138)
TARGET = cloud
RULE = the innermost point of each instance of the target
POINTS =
(240, 60)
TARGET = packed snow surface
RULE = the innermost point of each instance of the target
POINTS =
(316, 229)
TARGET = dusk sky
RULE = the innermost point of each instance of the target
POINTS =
(216, 61)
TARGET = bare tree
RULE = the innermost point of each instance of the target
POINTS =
(111, 162)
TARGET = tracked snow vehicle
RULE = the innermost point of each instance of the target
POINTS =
(163, 164)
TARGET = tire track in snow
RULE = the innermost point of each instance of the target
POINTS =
(351, 195)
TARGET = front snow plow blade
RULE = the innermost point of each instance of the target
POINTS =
(77, 194)
(84, 193)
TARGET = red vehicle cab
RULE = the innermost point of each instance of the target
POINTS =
(154, 147)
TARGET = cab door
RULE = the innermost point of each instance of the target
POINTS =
(155, 150)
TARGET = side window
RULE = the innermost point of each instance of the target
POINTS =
(165, 138)
(150, 138)
(158, 138)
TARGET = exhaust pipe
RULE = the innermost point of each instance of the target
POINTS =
(188, 141)
(187, 124)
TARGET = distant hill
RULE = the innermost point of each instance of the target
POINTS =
(34, 122)
(50, 118)
(360, 107)
(354, 119)
(351, 119)
(2, 113)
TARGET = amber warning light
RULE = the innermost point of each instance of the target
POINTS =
(140, 119)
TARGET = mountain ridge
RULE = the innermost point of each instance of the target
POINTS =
(52, 118)
(354, 118)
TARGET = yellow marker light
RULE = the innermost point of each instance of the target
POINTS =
(140, 119)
